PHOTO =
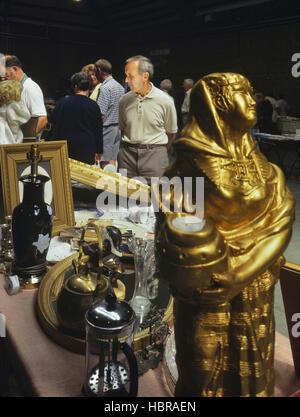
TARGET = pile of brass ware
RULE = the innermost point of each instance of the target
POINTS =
(72, 234)
(48, 294)
(71, 285)
(87, 284)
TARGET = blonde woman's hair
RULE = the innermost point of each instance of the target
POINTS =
(10, 90)
(88, 68)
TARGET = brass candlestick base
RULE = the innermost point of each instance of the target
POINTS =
(29, 278)
(30, 283)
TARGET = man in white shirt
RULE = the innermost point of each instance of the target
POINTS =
(185, 108)
(32, 94)
(148, 121)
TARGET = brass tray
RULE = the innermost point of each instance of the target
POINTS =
(50, 288)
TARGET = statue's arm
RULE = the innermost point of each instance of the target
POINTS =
(268, 242)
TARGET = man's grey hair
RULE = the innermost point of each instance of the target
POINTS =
(104, 65)
(189, 81)
(144, 65)
(166, 84)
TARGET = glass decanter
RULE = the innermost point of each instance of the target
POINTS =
(143, 252)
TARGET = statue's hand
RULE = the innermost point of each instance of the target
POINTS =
(226, 286)
(212, 296)
(226, 279)
(229, 282)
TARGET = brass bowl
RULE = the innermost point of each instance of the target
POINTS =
(49, 290)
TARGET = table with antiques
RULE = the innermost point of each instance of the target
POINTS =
(48, 363)
(44, 368)
(284, 150)
(88, 262)
(47, 359)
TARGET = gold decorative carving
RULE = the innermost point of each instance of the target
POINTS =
(109, 181)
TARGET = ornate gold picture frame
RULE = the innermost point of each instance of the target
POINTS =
(109, 181)
(55, 164)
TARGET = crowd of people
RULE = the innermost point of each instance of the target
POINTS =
(130, 127)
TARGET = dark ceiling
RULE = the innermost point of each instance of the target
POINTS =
(115, 19)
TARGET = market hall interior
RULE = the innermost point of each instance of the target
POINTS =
(258, 39)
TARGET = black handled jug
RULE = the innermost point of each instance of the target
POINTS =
(111, 366)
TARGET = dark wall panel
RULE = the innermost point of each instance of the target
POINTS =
(263, 54)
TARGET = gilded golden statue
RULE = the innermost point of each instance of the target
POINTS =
(222, 276)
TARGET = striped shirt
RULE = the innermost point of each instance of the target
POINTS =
(110, 93)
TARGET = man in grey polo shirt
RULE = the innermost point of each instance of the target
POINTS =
(110, 92)
(148, 121)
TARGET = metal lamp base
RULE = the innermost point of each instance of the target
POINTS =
(29, 278)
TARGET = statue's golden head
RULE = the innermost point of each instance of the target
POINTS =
(226, 96)
(10, 90)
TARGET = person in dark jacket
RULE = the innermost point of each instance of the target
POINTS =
(78, 120)
(264, 110)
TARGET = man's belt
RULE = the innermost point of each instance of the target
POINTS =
(142, 146)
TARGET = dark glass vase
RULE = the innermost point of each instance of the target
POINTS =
(31, 231)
